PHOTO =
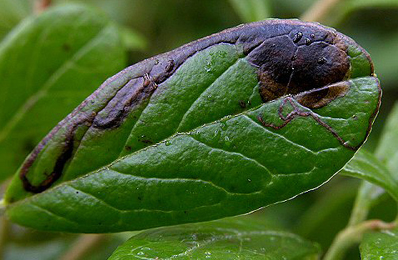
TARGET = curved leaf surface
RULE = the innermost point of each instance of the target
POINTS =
(366, 166)
(48, 65)
(380, 245)
(227, 239)
(386, 150)
(222, 126)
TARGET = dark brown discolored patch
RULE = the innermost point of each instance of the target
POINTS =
(318, 98)
(308, 58)
(318, 65)
(274, 58)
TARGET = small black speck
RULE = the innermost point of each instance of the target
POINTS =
(294, 58)
(139, 198)
(185, 212)
(312, 36)
(307, 41)
(297, 37)
(127, 148)
(242, 104)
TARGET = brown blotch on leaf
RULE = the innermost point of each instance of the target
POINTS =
(310, 58)
(318, 98)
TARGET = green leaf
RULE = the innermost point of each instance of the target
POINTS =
(387, 151)
(380, 245)
(226, 239)
(48, 65)
(366, 166)
(132, 40)
(252, 10)
(11, 13)
(201, 133)
(380, 172)
(356, 4)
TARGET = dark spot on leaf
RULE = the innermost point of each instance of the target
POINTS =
(242, 104)
(146, 141)
(66, 47)
(318, 98)
(128, 148)
(290, 66)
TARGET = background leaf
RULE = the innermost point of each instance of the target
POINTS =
(366, 166)
(48, 65)
(252, 10)
(387, 150)
(380, 245)
(11, 13)
(226, 239)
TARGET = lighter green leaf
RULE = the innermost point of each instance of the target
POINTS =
(11, 13)
(387, 150)
(252, 10)
(356, 4)
(48, 65)
(366, 166)
(380, 245)
(132, 40)
(226, 239)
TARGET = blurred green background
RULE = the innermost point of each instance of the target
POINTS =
(151, 27)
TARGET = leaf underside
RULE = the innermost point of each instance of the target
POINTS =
(196, 143)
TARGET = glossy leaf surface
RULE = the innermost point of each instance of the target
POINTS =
(380, 245)
(48, 65)
(225, 125)
(226, 239)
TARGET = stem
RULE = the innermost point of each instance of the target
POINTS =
(318, 11)
(353, 235)
(362, 205)
(82, 246)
